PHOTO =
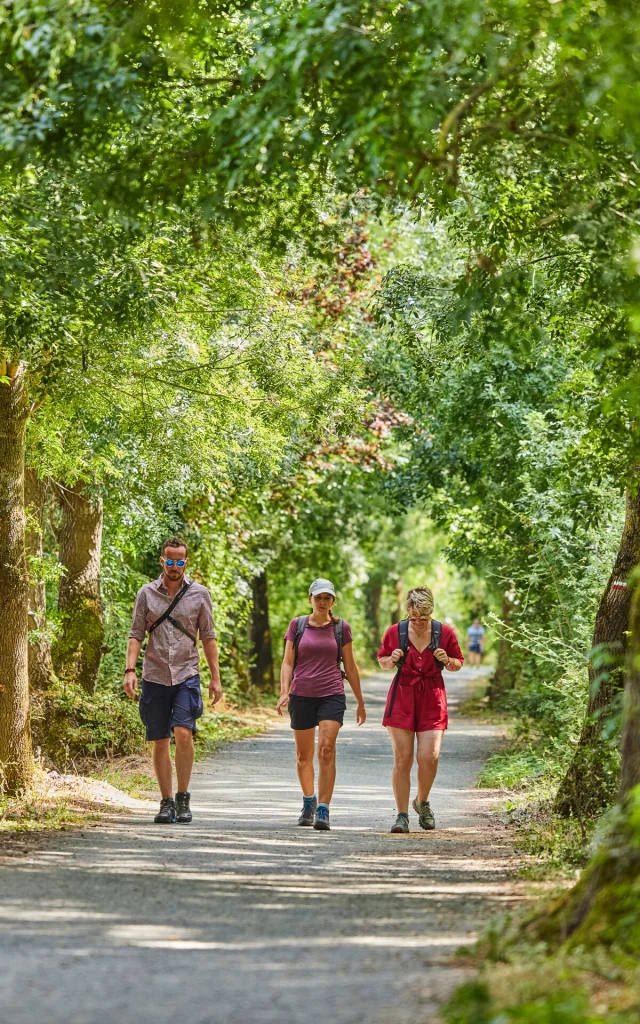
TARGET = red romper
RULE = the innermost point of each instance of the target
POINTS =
(420, 703)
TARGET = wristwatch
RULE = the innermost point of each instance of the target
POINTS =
(129, 670)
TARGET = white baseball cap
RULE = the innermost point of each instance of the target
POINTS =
(322, 587)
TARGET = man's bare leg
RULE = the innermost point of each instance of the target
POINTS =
(184, 757)
(163, 767)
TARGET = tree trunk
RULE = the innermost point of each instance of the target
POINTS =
(398, 612)
(16, 755)
(373, 595)
(77, 652)
(630, 769)
(260, 636)
(41, 673)
(504, 675)
(589, 785)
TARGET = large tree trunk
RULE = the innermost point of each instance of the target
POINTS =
(77, 651)
(41, 673)
(630, 771)
(260, 636)
(588, 787)
(16, 755)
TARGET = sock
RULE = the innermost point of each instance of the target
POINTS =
(403, 814)
(308, 799)
(323, 805)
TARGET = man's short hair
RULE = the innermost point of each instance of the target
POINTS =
(174, 542)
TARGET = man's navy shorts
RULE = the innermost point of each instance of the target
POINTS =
(162, 708)
(307, 712)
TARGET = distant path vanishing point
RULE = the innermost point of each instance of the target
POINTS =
(243, 917)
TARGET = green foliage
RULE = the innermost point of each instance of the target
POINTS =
(68, 722)
(472, 1004)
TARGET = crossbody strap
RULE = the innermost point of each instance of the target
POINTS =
(166, 615)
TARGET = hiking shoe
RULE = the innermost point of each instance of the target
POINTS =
(401, 823)
(183, 811)
(425, 814)
(321, 820)
(309, 808)
(167, 813)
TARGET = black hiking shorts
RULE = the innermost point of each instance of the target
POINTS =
(307, 712)
(162, 708)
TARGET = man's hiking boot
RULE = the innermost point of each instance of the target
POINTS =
(167, 813)
(321, 820)
(309, 808)
(184, 815)
(401, 823)
(425, 814)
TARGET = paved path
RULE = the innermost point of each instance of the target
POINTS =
(243, 917)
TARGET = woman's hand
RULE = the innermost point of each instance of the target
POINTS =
(441, 655)
(396, 655)
(283, 700)
(361, 714)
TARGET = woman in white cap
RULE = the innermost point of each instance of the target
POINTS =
(312, 683)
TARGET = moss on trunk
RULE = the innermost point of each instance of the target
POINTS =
(78, 649)
(16, 758)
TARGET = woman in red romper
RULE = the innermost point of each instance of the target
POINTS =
(419, 706)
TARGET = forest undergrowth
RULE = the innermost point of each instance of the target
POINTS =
(525, 969)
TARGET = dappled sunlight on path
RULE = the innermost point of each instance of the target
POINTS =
(244, 917)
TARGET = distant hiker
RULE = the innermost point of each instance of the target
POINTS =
(419, 648)
(475, 643)
(173, 611)
(312, 683)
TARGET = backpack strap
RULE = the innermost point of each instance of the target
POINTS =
(338, 632)
(167, 616)
(301, 625)
(436, 641)
(403, 639)
(403, 644)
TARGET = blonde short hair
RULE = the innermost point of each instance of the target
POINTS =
(420, 599)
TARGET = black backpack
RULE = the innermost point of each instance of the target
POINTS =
(301, 625)
(403, 644)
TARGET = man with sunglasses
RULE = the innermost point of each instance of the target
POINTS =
(173, 610)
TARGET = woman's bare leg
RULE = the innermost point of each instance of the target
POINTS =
(429, 744)
(327, 736)
(305, 746)
(402, 741)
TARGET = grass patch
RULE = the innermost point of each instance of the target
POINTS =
(537, 989)
(44, 808)
(232, 723)
(131, 775)
(528, 766)
(555, 847)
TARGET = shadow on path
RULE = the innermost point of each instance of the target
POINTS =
(243, 917)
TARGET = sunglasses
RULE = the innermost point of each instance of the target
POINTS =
(174, 561)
